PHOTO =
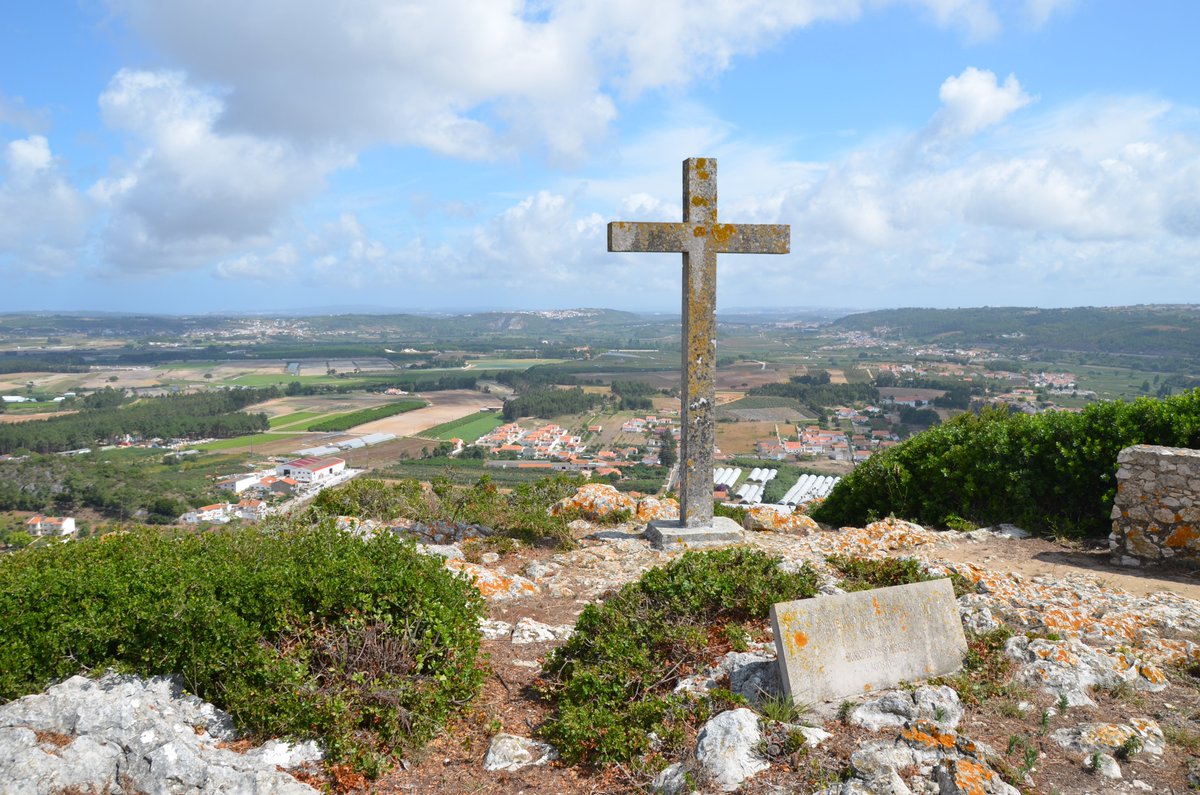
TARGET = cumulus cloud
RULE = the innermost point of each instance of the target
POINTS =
(1050, 204)
(974, 101)
(194, 192)
(43, 219)
(473, 78)
(1040, 11)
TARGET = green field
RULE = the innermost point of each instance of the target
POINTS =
(342, 422)
(500, 364)
(283, 379)
(244, 441)
(295, 418)
(468, 428)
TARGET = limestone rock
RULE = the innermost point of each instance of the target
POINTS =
(123, 733)
(494, 585)
(595, 501)
(1065, 668)
(494, 629)
(671, 780)
(1009, 531)
(449, 551)
(779, 519)
(970, 777)
(529, 631)
(725, 748)
(439, 532)
(510, 752)
(896, 708)
(1103, 765)
(649, 509)
(1088, 738)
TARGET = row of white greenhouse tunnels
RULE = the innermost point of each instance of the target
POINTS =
(806, 488)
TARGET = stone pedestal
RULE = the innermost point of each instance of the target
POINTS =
(670, 535)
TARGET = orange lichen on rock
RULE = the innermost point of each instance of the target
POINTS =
(927, 735)
(1185, 536)
(970, 777)
(770, 519)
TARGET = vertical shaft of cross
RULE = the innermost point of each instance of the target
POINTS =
(699, 238)
(698, 358)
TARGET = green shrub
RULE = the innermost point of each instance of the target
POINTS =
(612, 682)
(522, 514)
(863, 574)
(301, 631)
(1053, 473)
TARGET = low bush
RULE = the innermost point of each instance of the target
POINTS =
(863, 574)
(612, 683)
(295, 630)
(1053, 473)
(523, 513)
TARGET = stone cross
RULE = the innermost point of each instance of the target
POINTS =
(699, 238)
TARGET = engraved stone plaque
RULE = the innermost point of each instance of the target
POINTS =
(850, 644)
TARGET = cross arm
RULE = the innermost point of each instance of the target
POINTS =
(645, 236)
(748, 238)
(717, 238)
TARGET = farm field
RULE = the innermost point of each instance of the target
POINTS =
(295, 418)
(468, 428)
(11, 416)
(239, 442)
(445, 406)
(738, 438)
(382, 456)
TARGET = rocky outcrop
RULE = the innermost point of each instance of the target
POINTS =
(779, 519)
(123, 734)
(599, 502)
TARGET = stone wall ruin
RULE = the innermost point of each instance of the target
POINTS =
(1156, 513)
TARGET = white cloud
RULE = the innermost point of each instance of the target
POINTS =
(28, 157)
(43, 219)
(473, 78)
(275, 266)
(974, 101)
(194, 192)
(1040, 11)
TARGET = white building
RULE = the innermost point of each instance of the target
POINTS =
(50, 525)
(218, 512)
(311, 470)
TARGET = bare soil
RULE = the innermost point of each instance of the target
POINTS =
(11, 418)
(446, 406)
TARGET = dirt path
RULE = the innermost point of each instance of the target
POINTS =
(449, 405)
(1034, 556)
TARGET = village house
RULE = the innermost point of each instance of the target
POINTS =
(50, 525)
(251, 509)
(238, 483)
(217, 513)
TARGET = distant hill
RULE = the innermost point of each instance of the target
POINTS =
(1168, 331)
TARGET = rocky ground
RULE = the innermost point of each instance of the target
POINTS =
(1102, 695)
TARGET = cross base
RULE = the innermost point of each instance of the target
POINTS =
(670, 536)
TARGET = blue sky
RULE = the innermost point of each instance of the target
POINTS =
(234, 155)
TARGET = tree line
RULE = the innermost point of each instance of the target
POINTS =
(550, 403)
(200, 415)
